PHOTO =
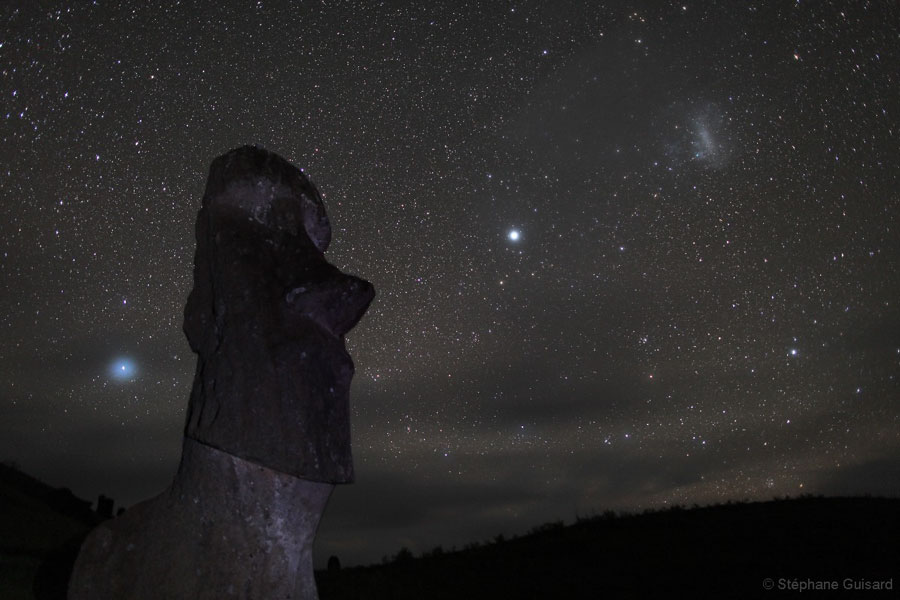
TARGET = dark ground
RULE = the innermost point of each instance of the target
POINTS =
(724, 551)
(41, 529)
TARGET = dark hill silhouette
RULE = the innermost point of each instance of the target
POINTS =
(41, 528)
(722, 551)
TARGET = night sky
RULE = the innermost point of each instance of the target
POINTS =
(627, 255)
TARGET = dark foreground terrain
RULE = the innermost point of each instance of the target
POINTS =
(41, 529)
(725, 551)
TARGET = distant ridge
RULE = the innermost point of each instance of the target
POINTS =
(41, 528)
(16, 485)
(729, 550)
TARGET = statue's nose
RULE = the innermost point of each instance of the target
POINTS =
(355, 300)
(336, 303)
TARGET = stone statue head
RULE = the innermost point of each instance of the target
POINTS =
(267, 316)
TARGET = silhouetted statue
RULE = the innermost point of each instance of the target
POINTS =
(268, 431)
(334, 563)
(105, 507)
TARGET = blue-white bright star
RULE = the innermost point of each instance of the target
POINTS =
(514, 235)
(123, 369)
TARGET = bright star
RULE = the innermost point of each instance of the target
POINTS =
(513, 235)
(123, 369)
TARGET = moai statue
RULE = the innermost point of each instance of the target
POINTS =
(105, 507)
(268, 430)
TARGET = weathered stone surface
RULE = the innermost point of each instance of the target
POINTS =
(267, 317)
(268, 428)
(226, 528)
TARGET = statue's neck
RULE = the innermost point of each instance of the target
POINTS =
(263, 505)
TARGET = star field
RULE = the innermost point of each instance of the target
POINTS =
(627, 255)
